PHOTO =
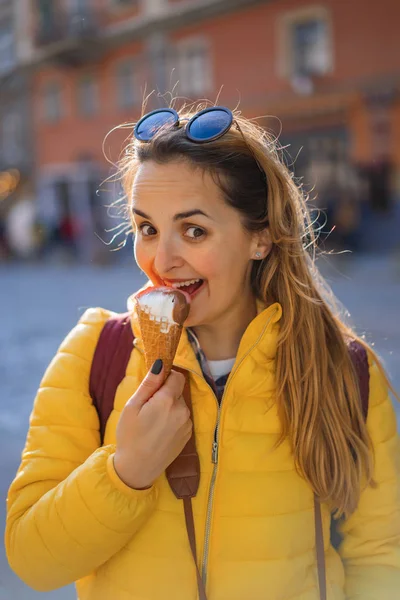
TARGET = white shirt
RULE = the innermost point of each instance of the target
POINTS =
(221, 367)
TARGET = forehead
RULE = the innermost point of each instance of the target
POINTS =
(165, 191)
(177, 179)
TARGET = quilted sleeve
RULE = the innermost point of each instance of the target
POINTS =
(67, 510)
(371, 536)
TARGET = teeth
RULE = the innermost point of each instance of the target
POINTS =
(184, 283)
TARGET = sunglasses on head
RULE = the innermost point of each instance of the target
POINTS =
(205, 126)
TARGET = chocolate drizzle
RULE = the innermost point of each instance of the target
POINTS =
(181, 307)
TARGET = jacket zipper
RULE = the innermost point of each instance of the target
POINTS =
(215, 456)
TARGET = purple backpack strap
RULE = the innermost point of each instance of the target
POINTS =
(109, 365)
(359, 357)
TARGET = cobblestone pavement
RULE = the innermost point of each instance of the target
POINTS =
(40, 304)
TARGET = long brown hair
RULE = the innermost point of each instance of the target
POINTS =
(317, 388)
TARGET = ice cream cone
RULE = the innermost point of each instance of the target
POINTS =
(161, 324)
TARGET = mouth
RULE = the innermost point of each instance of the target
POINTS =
(191, 287)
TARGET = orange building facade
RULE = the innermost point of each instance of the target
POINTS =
(324, 75)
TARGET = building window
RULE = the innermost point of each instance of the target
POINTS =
(7, 57)
(127, 92)
(305, 41)
(52, 102)
(87, 96)
(310, 51)
(190, 64)
(46, 20)
(12, 137)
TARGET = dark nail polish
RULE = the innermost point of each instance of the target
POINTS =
(157, 366)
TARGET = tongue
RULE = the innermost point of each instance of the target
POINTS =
(190, 289)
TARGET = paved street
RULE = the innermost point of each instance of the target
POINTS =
(40, 304)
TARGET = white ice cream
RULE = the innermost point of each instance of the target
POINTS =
(160, 307)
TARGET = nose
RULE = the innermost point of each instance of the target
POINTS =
(167, 256)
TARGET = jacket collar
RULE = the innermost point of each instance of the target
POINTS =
(261, 333)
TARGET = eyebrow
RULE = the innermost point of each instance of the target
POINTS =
(177, 217)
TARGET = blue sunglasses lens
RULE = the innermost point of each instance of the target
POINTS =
(147, 128)
(209, 125)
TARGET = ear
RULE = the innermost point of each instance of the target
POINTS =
(262, 244)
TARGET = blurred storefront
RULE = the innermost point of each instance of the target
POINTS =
(327, 77)
(345, 159)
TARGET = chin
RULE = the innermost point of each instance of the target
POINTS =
(193, 321)
(190, 322)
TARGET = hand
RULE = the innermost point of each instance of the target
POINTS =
(154, 427)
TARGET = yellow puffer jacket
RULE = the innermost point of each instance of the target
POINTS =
(70, 518)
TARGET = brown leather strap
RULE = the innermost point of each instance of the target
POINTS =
(187, 504)
(183, 473)
(319, 543)
(183, 476)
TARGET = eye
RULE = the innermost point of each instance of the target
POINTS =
(147, 230)
(195, 233)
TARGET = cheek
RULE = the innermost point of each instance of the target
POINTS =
(226, 258)
(142, 256)
(208, 262)
(220, 262)
(216, 267)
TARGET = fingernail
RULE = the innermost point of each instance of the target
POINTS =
(157, 366)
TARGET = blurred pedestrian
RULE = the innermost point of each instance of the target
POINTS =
(68, 233)
(4, 247)
(20, 229)
(279, 388)
(347, 218)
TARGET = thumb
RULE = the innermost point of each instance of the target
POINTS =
(150, 384)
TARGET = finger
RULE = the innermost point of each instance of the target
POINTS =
(150, 384)
(173, 386)
(177, 383)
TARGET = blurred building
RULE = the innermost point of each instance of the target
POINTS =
(16, 148)
(327, 73)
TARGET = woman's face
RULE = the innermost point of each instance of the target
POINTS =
(184, 231)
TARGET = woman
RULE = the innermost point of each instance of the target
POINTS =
(277, 412)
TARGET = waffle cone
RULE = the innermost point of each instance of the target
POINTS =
(157, 343)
